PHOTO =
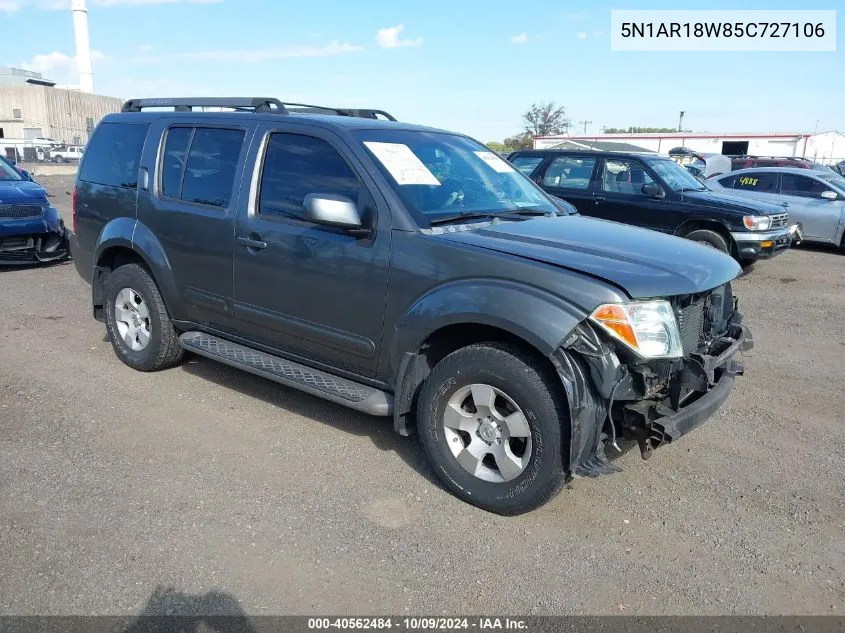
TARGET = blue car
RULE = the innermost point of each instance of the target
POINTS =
(31, 230)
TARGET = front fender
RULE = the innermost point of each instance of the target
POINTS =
(534, 315)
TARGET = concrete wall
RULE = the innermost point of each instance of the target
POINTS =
(61, 114)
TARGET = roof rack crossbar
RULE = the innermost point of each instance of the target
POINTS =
(366, 113)
(253, 104)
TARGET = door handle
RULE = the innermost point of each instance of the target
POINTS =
(599, 198)
(252, 243)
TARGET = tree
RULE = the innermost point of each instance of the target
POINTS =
(497, 147)
(524, 140)
(545, 119)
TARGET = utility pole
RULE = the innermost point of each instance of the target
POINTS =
(681, 122)
(585, 124)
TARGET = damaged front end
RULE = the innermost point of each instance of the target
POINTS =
(623, 397)
(31, 233)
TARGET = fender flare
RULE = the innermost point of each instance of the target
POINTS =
(538, 317)
(135, 236)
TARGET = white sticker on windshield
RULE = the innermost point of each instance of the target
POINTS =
(495, 162)
(402, 163)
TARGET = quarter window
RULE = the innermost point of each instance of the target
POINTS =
(624, 176)
(569, 172)
(199, 165)
(297, 165)
(114, 155)
(527, 164)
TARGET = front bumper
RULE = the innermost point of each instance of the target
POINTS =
(761, 244)
(33, 240)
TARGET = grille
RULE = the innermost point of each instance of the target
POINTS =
(780, 220)
(20, 210)
(691, 326)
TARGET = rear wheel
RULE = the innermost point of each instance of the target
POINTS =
(709, 238)
(137, 321)
(494, 429)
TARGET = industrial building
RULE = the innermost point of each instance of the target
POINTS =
(825, 147)
(34, 108)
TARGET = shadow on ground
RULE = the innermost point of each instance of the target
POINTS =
(378, 430)
(178, 612)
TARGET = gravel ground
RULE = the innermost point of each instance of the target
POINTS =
(209, 487)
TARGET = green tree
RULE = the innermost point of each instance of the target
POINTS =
(640, 130)
(496, 146)
(544, 119)
(524, 140)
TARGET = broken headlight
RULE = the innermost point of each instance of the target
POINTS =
(649, 328)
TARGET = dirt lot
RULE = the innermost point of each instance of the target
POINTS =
(117, 486)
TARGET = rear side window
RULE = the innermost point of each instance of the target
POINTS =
(199, 164)
(296, 165)
(527, 164)
(794, 185)
(114, 155)
(570, 172)
(763, 183)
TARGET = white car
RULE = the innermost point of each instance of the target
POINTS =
(65, 154)
(813, 198)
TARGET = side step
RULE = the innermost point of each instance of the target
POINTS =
(340, 390)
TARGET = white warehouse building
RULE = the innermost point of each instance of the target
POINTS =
(825, 147)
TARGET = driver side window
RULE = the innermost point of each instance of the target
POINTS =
(569, 172)
(624, 176)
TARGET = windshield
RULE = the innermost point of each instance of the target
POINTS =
(675, 176)
(7, 172)
(439, 175)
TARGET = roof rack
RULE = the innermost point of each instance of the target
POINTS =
(254, 104)
(251, 104)
(763, 156)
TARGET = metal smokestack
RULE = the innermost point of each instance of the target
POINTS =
(83, 46)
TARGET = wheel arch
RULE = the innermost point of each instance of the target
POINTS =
(446, 320)
(124, 241)
(696, 224)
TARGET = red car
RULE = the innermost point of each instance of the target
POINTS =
(744, 162)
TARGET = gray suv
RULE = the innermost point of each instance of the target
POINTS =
(402, 271)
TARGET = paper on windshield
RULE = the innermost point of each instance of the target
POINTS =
(402, 163)
(495, 162)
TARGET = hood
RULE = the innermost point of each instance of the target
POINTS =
(641, 262)
(17, 191)
(731, 202)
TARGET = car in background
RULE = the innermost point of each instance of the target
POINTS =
(13, 164)
(31, 229)
(813, 198)
(654, 192)
(702, 165)
(747, 162)
(66, 154)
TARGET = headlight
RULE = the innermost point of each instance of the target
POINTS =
(647, 327)
(757, 222)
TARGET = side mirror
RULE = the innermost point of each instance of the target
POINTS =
(332, 210)
(652, 189)
(829, 195)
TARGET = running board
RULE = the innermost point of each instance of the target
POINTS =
(340, 390)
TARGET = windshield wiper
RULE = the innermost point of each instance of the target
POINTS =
(469, 215)
(683, 189)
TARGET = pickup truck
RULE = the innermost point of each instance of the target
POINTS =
(402, 271)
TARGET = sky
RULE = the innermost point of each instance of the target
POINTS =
(470, 66)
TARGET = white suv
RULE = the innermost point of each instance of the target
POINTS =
(64, 154)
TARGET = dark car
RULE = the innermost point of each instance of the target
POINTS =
(31, 229)
(402, 271)
(654, 192)
(747, 162)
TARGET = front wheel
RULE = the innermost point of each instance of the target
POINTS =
(494, 428)
(709, 238)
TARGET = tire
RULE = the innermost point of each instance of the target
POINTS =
(709, 238)
(156, 342)
(514, 378)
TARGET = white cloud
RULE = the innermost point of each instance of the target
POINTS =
(519, 39)
(389, 37)
(582, 35)
(9, 6)
(254, 55)
(57, 65)
(145, 48)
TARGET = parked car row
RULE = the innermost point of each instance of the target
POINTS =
(655, 192)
